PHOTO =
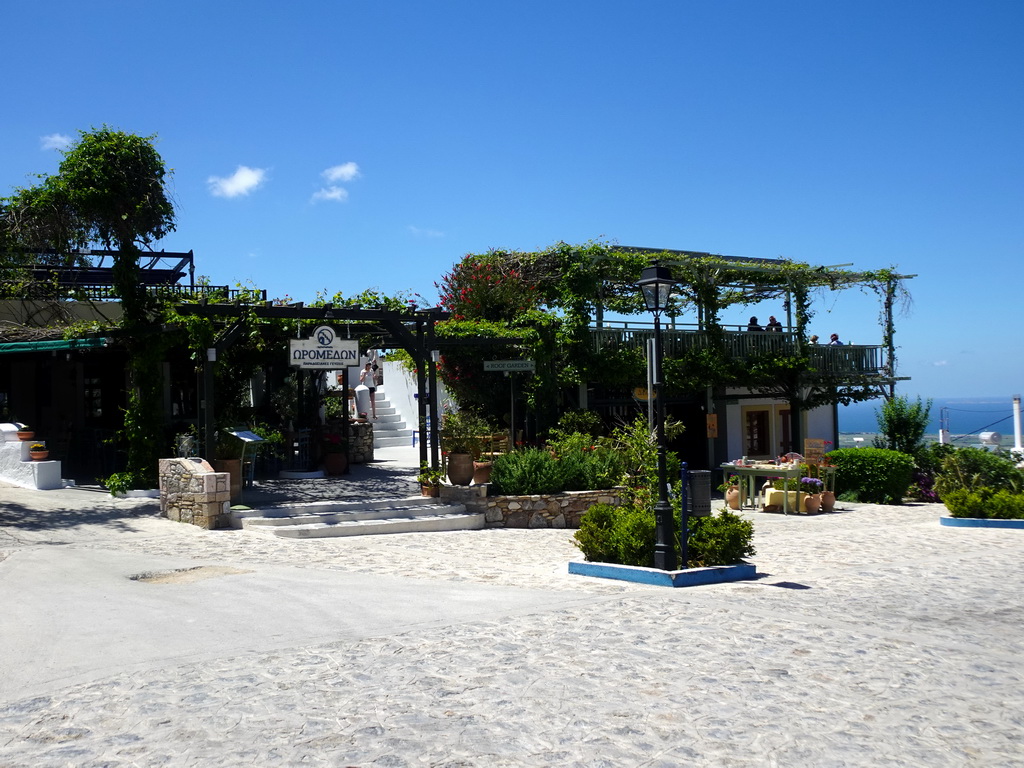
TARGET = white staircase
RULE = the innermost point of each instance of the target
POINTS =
(389, 430)
(357, 518)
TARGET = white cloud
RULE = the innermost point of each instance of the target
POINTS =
(331, 193)
(940, 363)
(55, 141)
(343, 172)
(241, 182)
(425, 232)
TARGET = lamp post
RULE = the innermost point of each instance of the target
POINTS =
(655, 284)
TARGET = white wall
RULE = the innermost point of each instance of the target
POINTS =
(400, 389)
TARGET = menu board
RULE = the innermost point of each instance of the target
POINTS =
(814, 450)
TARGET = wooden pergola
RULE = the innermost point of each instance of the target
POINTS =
(412, 331)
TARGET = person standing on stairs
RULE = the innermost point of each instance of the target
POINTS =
(368, 378)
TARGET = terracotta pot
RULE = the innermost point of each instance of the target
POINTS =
(26, 434)
(335, 463)
(482, 472)
(38, 455)
(460, 468)
(812, 503)
(430, 490)
(732, 497)
(828, 501)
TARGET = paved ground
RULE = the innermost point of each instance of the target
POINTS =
(875, 637)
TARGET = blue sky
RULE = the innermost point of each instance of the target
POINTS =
(345, 145)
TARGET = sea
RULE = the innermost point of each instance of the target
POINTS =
(964, 417)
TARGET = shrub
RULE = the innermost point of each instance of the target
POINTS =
(525, 472)
(985, 502)
(570, 464)
(625, 535)
(873, 475)
(972, 468)
(719, 540)
(633, 537)
(594, 537)
(585, 466)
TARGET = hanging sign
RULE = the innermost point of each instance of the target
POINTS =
(712, 425)
(323, 351)
(509, 365)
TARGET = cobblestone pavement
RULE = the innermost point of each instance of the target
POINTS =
(873, 637)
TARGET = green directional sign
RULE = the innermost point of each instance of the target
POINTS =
(509, 365)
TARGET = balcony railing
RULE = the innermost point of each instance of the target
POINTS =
(848, 359)
(106, 292)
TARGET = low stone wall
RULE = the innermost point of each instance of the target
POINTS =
(360, 442)
(192, 492)
(556, 510)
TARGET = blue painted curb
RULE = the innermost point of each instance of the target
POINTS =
(980, 522)
(691, 577)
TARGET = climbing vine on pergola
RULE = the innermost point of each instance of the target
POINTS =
(542, 305)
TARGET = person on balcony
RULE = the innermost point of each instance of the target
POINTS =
(753, 326)
(773, 325)
(814, 339)
(834, 340)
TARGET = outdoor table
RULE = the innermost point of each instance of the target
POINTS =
(748, 479)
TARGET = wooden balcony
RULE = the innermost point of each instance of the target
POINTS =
(840, 361)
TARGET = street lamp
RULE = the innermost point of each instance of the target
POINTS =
(656, 284)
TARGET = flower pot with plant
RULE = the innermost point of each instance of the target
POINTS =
(38, 451)
(24, 433)
(335, 452)
(462, 434)
(430, 480)
(811, 486)
(731, 490)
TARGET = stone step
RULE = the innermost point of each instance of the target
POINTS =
(327, 519)
(393, 440)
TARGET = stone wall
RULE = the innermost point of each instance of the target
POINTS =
(191, 492)
(360, 442)
(556, 510)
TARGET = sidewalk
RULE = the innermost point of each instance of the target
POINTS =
(874, 637)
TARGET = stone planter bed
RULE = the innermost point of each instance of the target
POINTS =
(980, 522)
(689, 577)
(556, 510)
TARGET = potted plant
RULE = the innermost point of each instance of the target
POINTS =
(731, 489)
(430, 480)
(335, 452)
(38, 451)
(811, 486)
(24, 433)
(461, 435)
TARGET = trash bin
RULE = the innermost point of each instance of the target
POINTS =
(698, 496)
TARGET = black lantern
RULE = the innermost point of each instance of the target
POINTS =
(656, 285)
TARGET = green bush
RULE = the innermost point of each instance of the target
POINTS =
(873, 475)
(594, 536)
(633, 537)
(571, 463)
(524, 472)
(719, 540)
(984, 502)
(972, 468)
(625, 535)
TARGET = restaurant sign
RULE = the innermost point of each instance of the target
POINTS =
(323, 351)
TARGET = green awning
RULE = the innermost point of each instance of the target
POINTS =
(47, 346)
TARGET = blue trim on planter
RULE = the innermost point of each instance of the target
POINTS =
(980, 522)
(691, 577)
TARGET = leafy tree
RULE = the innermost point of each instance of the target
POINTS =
(902, 424)
(109, 190)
